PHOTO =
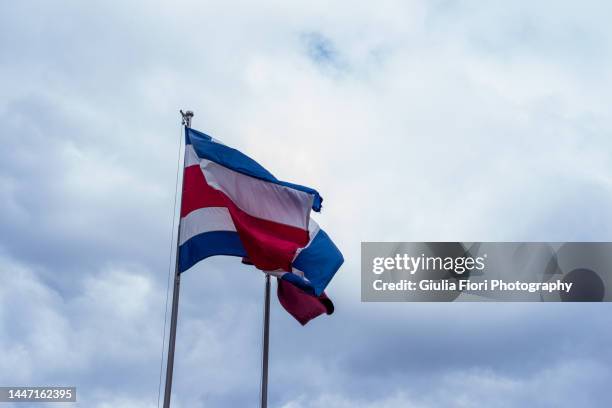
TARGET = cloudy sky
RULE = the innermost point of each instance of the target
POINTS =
(423, 120)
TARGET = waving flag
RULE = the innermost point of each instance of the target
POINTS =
(233, 206)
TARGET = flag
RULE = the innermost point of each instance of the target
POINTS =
(232, 206)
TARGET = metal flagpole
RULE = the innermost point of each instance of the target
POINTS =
(175, 296)
(266, 343)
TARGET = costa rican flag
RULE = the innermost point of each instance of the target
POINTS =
(232, 206)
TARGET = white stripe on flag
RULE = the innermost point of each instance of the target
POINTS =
(191, 158)
(313, 230)
(259, 198)
(205, 220)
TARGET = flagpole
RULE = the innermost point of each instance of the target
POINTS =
(266, 343)
(175, 294)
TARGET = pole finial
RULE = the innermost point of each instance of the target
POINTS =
(186, 117)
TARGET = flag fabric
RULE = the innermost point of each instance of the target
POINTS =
(301, 291)
(302, 306)
(232, 206)
(315, 264)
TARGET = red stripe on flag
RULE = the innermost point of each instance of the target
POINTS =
(299, 304)
(197, 193)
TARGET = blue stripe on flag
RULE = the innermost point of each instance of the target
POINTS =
(233, 159)
(298, 281)
(189, 131)
(209, 244)
(319, 261)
